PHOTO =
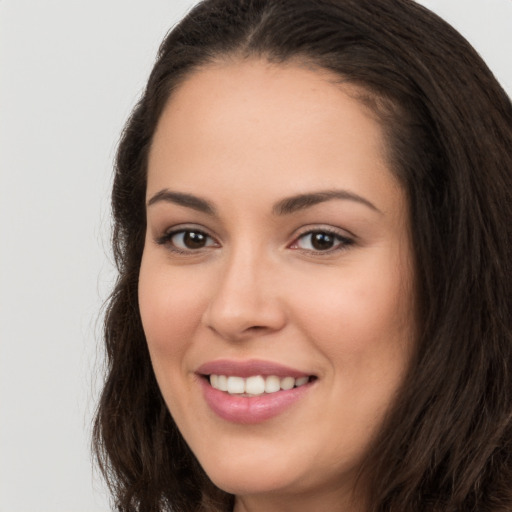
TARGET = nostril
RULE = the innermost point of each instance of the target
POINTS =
(238, 319)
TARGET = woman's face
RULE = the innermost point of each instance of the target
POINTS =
(278, 259)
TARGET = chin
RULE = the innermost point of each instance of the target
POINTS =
(239, 485)
(251, 477)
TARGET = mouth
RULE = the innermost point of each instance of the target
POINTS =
(256, 385)
(252, 391)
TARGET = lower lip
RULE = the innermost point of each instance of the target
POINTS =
(247, 410)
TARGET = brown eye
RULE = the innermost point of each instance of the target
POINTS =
(190, 240)
(321, 241)
(194, 240)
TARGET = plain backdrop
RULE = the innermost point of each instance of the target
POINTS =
(70, 72)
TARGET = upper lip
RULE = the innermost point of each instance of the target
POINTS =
(249, 368)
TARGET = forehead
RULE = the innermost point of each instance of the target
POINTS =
(235, 94)
(255, 125)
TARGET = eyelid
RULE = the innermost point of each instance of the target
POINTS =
(169, 233)
(327, 228)
(346, 239)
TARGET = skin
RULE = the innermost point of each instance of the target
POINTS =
(244, 136)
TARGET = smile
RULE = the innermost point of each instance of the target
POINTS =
(255, 385)
(253, 391)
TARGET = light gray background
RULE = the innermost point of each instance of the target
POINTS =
(70, 71)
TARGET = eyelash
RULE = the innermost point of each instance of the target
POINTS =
(342, 242)
(166, 240)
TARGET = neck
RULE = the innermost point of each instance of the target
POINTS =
(332, 501)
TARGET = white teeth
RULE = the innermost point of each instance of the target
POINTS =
(272, 384)
(255, 385)
(222, 383)
(301, 381)
(287, 383)
(236, 385)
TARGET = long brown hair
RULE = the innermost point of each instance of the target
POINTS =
(446, 444)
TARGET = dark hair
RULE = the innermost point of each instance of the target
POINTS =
(446, 444)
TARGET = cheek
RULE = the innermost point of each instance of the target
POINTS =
(361, 317)
(171, 307)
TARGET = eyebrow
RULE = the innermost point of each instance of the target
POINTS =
(285, 206)
(182, 199)
(302, 201)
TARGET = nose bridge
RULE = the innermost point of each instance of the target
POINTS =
(244, 299)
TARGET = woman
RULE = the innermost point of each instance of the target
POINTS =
(312, 229)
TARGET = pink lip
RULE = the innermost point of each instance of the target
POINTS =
(249, 368)
(247, 410)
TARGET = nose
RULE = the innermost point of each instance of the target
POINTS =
(245, 301)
